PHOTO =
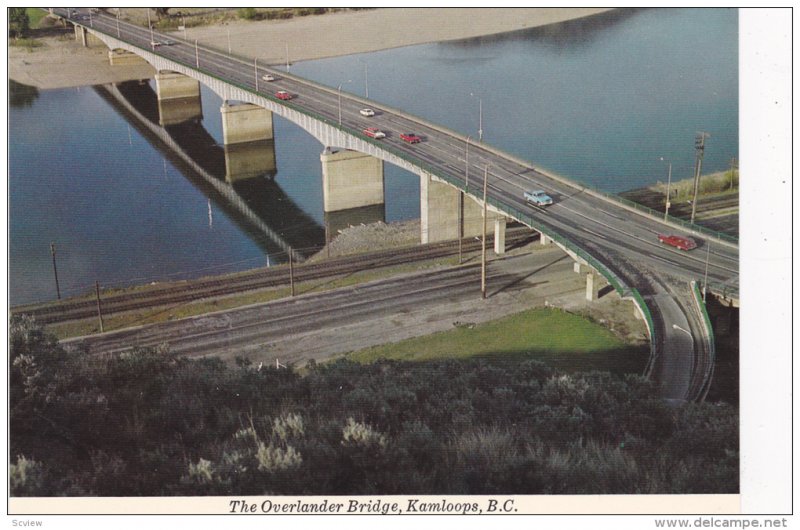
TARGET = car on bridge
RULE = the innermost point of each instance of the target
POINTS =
(374, 132)
(411, 138)
(538, 198)
(267, 77)
(367, 112)
(284, 95)
(679, 242)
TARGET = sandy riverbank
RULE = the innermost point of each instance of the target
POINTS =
(61, 62)
(350, 32)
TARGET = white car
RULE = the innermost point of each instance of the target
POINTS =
(267, 77)
(367, 112)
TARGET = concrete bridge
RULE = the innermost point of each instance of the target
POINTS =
(458, 178)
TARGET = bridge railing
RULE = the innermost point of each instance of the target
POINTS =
(709, 336)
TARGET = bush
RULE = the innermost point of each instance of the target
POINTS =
(173, 426)
(247, 13)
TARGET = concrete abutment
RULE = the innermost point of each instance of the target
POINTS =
(351, 179)
(440, 205)
(245, 123)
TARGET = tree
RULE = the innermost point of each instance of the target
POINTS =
(18, 22)
(162, 12)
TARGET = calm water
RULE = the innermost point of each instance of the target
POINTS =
(599, 102)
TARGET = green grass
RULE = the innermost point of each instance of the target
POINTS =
(562, 340)
(35, 15)
(25, 43)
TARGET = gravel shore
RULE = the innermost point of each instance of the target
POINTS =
(62, 63)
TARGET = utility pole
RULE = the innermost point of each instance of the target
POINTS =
(99, 310)
(196, 54)
(291, 271)
(460, 227)
(483, 244)
(55, 270)
(255, 67)
(152, 37)
(705, 276)
(733, 168)
(229, 41)
(700, 147)
(366, 82)
(669, 183)
(461, 205)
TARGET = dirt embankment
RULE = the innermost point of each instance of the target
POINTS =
(61, 62)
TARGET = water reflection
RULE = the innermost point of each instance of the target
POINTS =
(239, 179)
(20, 95)
(576, 33)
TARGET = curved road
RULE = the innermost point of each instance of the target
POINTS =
(621, 239)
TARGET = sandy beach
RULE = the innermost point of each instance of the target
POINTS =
(351, 32)
(61, 62)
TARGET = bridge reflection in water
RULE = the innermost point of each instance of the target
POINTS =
(238, 178)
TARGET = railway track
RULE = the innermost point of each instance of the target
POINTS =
(70, 310)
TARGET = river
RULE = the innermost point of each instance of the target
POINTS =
(599, 100)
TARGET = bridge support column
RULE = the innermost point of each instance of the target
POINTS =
(500, 235)
(439, 206)
(438, 210)
(544, 240)
(85, 38)
(172, 85)
(124, 58)
(178, 98)
(80, 35)
(576, 267)
(245, 123)
(350, 179)
(591, 287)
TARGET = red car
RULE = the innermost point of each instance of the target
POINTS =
(411, 138)
(679, 242)
(284, 95)
(374, 132)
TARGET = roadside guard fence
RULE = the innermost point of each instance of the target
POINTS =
(701, 306)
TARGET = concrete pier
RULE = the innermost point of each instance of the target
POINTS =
(591, 287)
(499, 235)
(245, 123)
(172, 85)
(85, 38)
(544, 240)
(350, 180)
(576, 267)
(439, 212)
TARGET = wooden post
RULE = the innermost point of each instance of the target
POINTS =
(55, 270)
(99, 309)
(460, 228)
(483, 243)
(291, 271)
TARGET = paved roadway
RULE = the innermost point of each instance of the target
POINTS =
(622, 240)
